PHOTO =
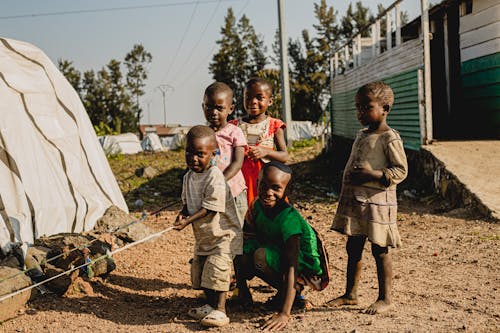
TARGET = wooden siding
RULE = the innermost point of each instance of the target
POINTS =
(404, 116)
(481, 92)
(407, 56)
(480, 30)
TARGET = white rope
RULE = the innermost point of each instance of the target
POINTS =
(109, 254)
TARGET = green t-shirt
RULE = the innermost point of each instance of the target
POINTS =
(272, 234)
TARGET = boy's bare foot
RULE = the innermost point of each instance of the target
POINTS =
(379, 306)
(342, 300)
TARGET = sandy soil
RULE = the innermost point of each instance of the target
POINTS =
(446, 278)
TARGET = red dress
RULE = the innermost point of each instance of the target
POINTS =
(260, 134)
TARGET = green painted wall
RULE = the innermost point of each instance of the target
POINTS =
(404, 116)
(481, 96)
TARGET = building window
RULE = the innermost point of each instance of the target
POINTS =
(465, 7)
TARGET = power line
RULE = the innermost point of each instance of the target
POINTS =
(195, 69)
(181, 42)
(111, 9)
(199, 39)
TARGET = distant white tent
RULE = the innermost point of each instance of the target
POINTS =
(301, 130)
(126, 143)
(152, 142)
(54, 175)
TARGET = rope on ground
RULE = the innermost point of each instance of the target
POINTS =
(109, 254)
(86, 245)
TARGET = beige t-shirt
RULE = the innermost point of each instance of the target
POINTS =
(214, 234)
(379, 151)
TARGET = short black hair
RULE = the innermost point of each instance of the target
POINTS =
(281, 166)
(259, 80)
(381, 91)
(199, 132)
(218, 87)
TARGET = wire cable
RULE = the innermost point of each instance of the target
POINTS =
(112, 9)
(196, 68)
(181, 69)
(110, 254)
(181, 42)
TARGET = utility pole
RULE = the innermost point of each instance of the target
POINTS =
(164, 88)
(285, 84)
(148, 103)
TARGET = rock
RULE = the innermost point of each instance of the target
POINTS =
(138, 203)
(62, 283)
(147, 172)
(10, 306)
(79, 288)
(114, 218)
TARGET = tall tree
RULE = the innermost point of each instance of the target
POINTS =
(240, 56)
(110, 98)
(355, 20)
(73, 76)
(309, 81)
(136, 62)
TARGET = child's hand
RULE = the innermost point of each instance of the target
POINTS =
(360, 175)
(180, 222)
(256, 152)
(277, 322)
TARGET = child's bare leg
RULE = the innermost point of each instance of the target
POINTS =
(216, 299)
(354, 249)
(265, 272)
(241, 268)
(384, 274)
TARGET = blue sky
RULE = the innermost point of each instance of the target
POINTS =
(181, 50)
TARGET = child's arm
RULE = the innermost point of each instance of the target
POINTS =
(236, 164)
(183, 220)
(280, 154)
(280, 320)
(392, 175)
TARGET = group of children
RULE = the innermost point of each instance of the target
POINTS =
(235, 197)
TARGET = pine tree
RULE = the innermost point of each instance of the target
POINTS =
(136, 61)
(240, 56)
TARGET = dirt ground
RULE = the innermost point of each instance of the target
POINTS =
(446, 278)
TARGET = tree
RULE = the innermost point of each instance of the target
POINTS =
(309, 81)
(241, 55)
(136, 61)
(355, 21)
(112, 100)
(73, 76)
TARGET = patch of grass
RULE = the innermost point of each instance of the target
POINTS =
(303, 143)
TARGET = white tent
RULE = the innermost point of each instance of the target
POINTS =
(152, 142)
(126, 143)
(304, 130)
(54, 176)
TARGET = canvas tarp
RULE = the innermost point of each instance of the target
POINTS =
(126, 143)
(301, 130)
(54, 175)
(152, 142)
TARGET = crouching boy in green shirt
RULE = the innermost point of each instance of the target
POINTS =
(280, 247)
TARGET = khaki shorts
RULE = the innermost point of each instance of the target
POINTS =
(211, 272)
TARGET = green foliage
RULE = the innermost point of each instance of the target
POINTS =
(103, 129)
(136, 61)
(309, 69)
(304, 143)
(241, 55)
(110, 98)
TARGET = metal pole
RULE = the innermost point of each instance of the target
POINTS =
(285, 84)
(427, 71)
(164, 88)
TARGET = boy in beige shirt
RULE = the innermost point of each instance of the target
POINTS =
(210, 209)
